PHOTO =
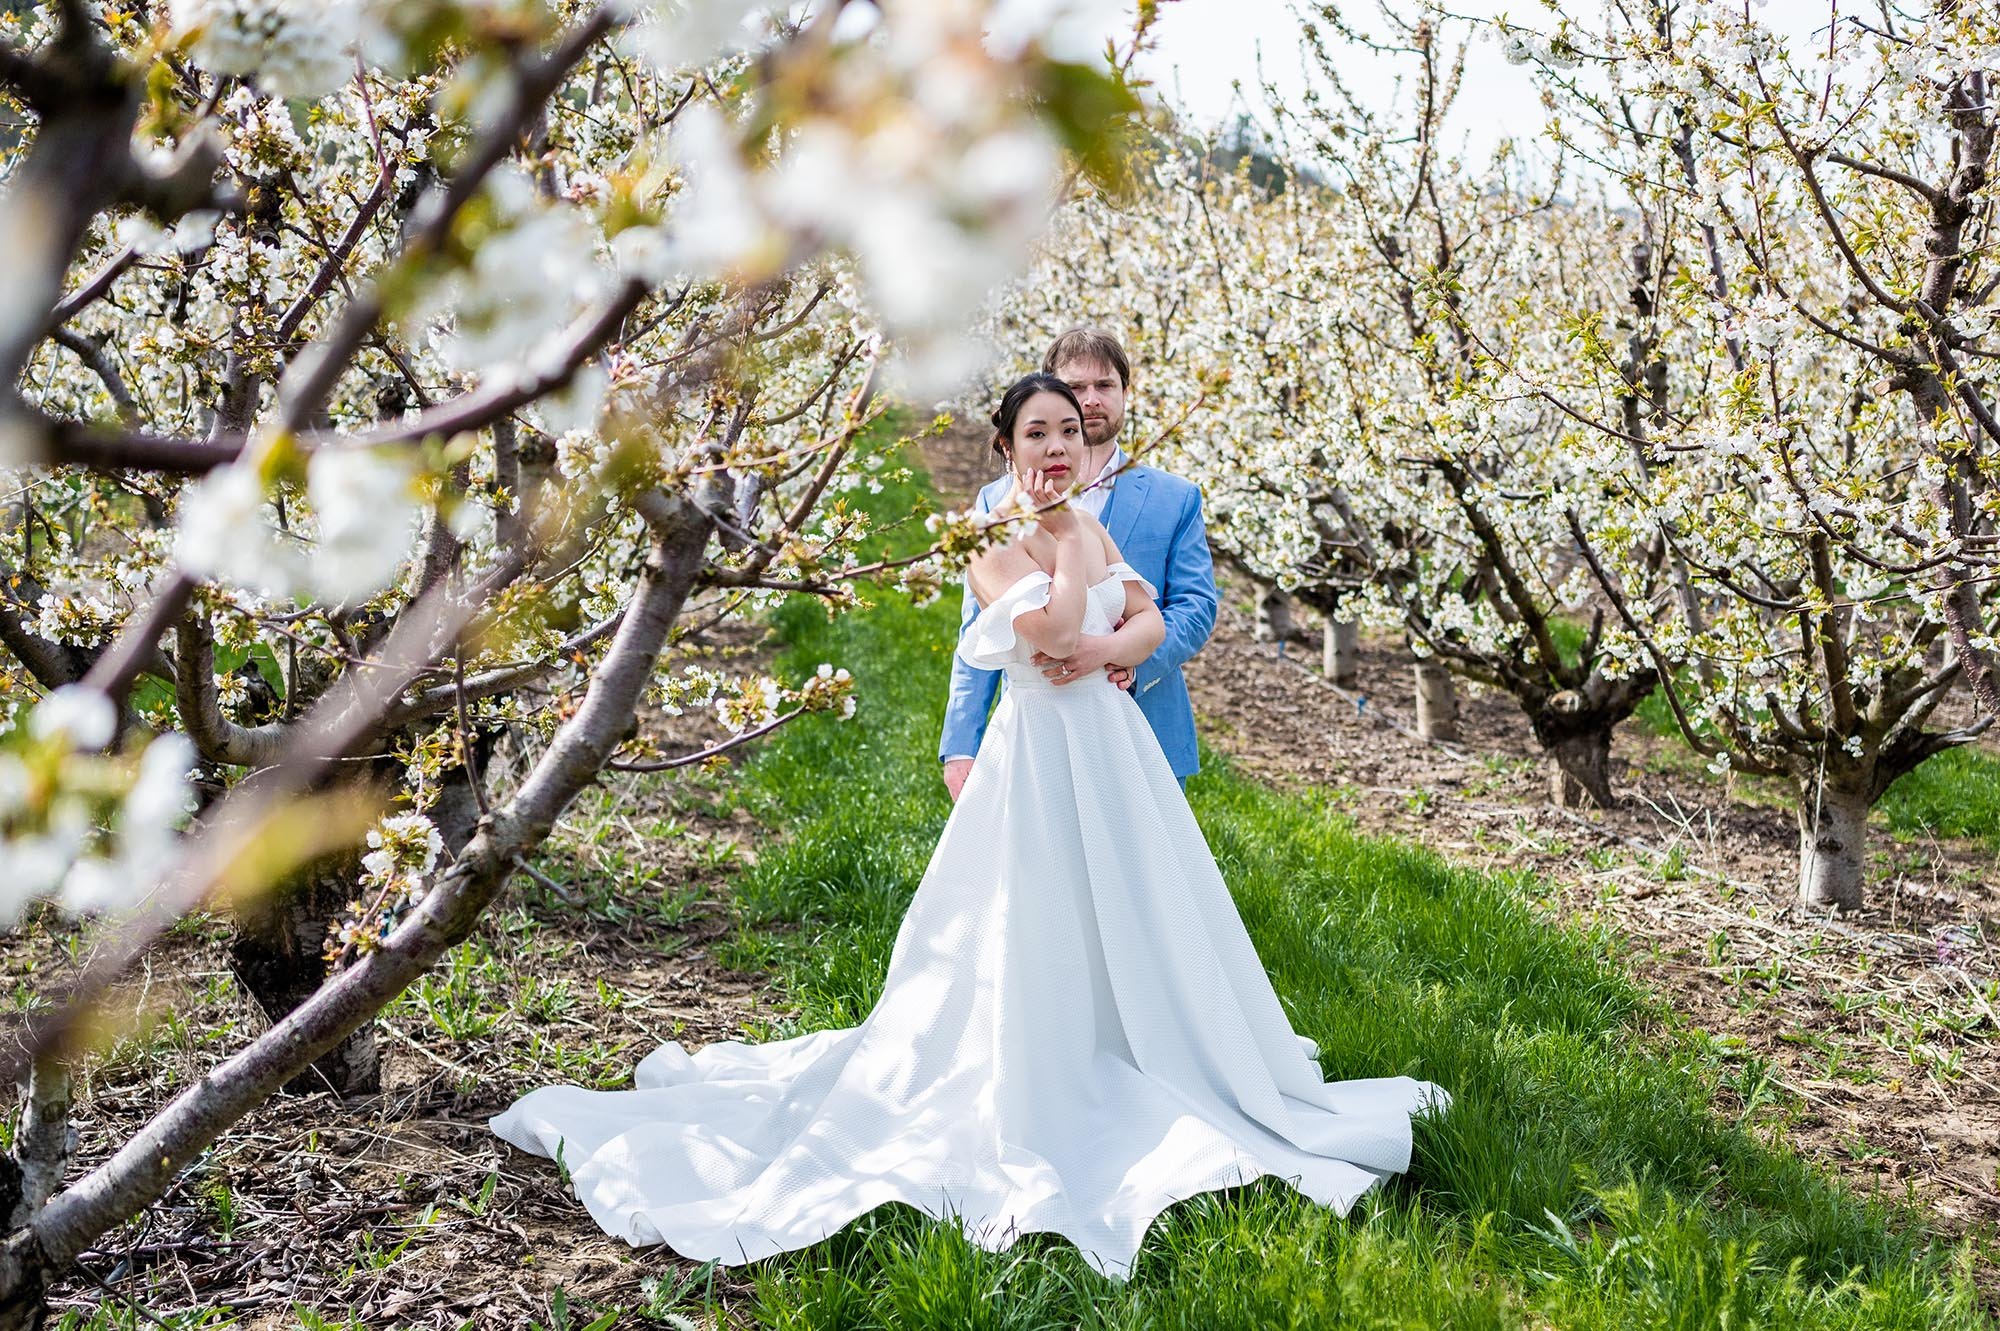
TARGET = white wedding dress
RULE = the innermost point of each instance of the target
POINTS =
(1075, 1031)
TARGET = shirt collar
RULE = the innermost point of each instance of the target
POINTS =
(1109, 476)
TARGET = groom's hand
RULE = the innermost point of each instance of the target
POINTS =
(1092, 654)
(955, 773)
(1120, 675)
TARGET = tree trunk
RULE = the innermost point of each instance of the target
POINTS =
(1833, 846)
(45, 1140)
(1580, 770)
(1274, 618)
(1437, 702)
(24, 1277)
(279, 957)
(279, 950)
(1342, 652)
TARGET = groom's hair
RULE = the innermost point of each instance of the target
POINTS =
(1089, 344)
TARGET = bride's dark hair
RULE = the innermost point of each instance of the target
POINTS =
(1016, 396)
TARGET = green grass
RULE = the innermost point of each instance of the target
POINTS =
(1954, 794)
(1583, 1177)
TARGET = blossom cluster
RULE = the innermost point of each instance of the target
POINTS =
(89, 830)
(364, 513)
(403, 851)
(293, 48)
(926, 166)
(760, 700)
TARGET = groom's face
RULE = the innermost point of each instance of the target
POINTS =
(1101, 393)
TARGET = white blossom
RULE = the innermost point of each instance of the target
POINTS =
(81, 714)
(225, 533)
(367, 519)
(295, 48)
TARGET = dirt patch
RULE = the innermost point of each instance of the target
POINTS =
(960, 462)
(1867, 1039)
(402, 1208)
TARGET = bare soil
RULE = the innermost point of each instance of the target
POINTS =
(402, 1209)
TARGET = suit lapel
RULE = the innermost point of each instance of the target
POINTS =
(1121, 507)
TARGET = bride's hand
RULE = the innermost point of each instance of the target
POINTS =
(1043, 495)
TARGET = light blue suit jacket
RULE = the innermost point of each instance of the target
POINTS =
(1155, 519)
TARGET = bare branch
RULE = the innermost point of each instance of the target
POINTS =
(215, 736)
(712, 751)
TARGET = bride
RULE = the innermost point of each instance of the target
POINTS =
(1075, 1031)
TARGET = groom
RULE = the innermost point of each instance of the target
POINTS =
(1155, 519)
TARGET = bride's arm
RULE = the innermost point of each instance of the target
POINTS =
(1141, 632)
(1055, 627)
(1141, 627)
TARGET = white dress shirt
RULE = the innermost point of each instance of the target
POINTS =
(1091, 501)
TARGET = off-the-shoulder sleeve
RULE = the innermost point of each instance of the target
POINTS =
(1124, 572)
(989, 643)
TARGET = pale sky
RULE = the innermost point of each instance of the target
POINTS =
(1204, 45)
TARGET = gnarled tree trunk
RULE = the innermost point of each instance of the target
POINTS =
(1437, 702)
(278, 956)
(279, 951)
(24, 1276)
(1580, 770)
(1342, 652)
(1833, 844)
(1274, 618)
(1575, 735)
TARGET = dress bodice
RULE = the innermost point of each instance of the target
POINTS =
(990, 642)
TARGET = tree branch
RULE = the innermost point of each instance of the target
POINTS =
(141, 1169)
(215, 736)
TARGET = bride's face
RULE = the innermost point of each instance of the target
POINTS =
(1048, 437)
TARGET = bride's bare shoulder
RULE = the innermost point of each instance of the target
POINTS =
(997, 568)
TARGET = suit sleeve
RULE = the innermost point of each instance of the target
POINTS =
(1187, 599)
(971, 697)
